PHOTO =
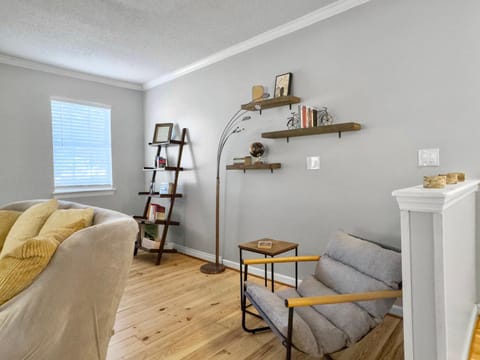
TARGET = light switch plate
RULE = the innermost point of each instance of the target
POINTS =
(428, 157)
(313, 162)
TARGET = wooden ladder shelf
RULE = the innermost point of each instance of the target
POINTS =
(143, 220)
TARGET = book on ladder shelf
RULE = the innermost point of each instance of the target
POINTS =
(155, 214)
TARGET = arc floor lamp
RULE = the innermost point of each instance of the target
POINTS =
(232, 127)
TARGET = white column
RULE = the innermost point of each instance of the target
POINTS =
(438, 269)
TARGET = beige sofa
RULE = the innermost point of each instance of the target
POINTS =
(69, 310)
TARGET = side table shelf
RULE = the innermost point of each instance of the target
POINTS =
(260, 166)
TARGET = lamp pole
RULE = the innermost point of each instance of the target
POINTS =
(230, 128)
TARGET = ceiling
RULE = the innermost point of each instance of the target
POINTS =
(139, 41)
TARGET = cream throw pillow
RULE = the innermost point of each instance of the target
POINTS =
(7, 219)
(28, 225)
(66, 218)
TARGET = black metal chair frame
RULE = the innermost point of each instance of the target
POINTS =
(287, 341)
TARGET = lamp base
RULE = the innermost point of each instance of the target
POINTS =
(212, 268)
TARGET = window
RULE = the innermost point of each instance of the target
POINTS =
(82, 150)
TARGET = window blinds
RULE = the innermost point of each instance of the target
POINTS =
(82, 155)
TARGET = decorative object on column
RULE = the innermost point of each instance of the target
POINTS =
(232, 127)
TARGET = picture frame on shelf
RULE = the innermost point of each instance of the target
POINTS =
(283, 85)
(162, 133)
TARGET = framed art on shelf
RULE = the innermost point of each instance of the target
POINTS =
(283, 85)
(163, 133)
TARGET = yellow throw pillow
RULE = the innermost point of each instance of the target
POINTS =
(23, 264)
(66, 218)
(28, 225)
(61, 233)
(7, 219)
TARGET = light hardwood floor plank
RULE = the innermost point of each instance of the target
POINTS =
(173, 311)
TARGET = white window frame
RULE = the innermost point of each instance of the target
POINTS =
(86, 190)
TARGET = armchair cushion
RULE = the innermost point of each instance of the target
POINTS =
(276, 311)
(7, 219)
(348, 317)
(346, 280)
(368, 258)
(329, 337)
(28, 225)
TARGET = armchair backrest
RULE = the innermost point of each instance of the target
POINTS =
(353, 265)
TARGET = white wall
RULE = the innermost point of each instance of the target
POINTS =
(26, 136)
(406, 70)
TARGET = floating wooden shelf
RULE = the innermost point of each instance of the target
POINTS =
(271, 103)
(142, 220)
(260, 166)
(327, 129)
(166, 168)
(157, 194)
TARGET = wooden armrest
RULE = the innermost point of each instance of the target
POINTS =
(342, 298)
(280, 260)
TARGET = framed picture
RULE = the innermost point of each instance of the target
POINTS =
(282, 84)
(162, 133)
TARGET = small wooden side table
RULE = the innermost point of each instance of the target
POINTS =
(278, 247)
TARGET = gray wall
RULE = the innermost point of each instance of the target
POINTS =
(406, 70)
(26, 136)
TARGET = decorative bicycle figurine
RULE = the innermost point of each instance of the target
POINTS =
(293, 122)
(324, 117)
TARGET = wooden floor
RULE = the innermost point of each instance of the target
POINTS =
(173, 311)
(475, 346)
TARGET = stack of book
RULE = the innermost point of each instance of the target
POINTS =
(156, 212)
(308, 116)
(245, 160)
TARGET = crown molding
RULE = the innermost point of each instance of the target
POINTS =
(323, 13)
(33, 65)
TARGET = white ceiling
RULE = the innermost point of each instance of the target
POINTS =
(138, 41)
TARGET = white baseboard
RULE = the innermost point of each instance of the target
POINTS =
(288, 280)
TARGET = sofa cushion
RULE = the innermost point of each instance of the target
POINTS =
(67, 218)
(7, 219)
(348, 317)
(368, 258)
(28, 225)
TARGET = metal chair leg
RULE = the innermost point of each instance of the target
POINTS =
(289, 334)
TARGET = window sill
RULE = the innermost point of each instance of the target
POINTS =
(74, 192)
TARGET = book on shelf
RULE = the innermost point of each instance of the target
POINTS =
(308, 116)
(156, 212)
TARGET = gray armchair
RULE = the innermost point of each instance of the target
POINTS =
(354, 285)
